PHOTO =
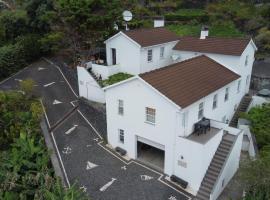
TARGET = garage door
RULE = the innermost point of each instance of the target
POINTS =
(151, 143)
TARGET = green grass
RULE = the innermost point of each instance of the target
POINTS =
(115, 79)
(226, 30)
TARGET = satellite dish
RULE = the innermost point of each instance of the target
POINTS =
(127, 15)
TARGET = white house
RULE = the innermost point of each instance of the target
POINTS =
(178, 82)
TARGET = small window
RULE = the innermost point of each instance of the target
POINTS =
(162, 52)
(223, 119)
(238, 86)
(200, 113)
(246, 61)
(121, 136)
(120, 107)
(215, 101)
(226, 94)
(150, 115)
(247, 80)
(150, 55)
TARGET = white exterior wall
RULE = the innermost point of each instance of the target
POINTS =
(223, 108)
(197, 158)
(105, 71)
(88, 87)
(127, 54)
(230, 167)
(133, 121)
(156, 62)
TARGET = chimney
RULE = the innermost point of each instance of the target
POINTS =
(204, 32)
(159, 22)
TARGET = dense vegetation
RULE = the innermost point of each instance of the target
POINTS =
(256, 174)
(33, 28)
(25, 170)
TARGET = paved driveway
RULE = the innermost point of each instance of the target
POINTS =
(85, 159)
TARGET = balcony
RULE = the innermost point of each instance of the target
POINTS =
(203, 138)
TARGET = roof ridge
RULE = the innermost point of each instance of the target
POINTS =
(218, 37)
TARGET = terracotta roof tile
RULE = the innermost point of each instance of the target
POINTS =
(188, 81)
(227, 46)
(151, 36)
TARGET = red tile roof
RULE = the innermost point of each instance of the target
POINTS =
(151, 36)
(187, 82)
(227, 46)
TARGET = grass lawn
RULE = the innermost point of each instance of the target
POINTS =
(215, 30)
(115, 78)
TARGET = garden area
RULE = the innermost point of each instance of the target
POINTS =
(26, 171)
(256, 173)
(115, 79)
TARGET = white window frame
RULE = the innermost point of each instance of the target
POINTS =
(246, 60)
(238, 86)
(150, 115)
(215, 102)
(121, 136)
(150, 55)
(226, 97)
(120, 107)
(162, 52)
(201, 110)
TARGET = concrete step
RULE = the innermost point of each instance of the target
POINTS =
(203, 196)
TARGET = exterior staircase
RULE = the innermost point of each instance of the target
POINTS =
(98, 79)
(214, 168)
(241, 108)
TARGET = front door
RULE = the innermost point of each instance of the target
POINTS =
(113, 56)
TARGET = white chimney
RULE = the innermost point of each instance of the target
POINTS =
(204, 32)
(159, 22)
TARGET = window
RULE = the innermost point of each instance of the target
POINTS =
(121, 135)
(223, 119)
(226, 94)
(247, 80)
(246, 61)
(150, 55)
(200, 113)
(239, 86)
(150, 115)
(162, 52)
(215, 101)
(120, 107)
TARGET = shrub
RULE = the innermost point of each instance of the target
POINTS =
(187, 15)
(260, 124)
(11, 60)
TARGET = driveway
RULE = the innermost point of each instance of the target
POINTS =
(85, 159)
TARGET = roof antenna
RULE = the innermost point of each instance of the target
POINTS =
(127, 16)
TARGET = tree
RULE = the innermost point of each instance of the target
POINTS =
(87, 22)
(256, 176)
(13, 24)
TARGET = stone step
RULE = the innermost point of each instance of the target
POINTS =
(204, 193)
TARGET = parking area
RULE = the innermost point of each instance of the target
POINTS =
(85, 159)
